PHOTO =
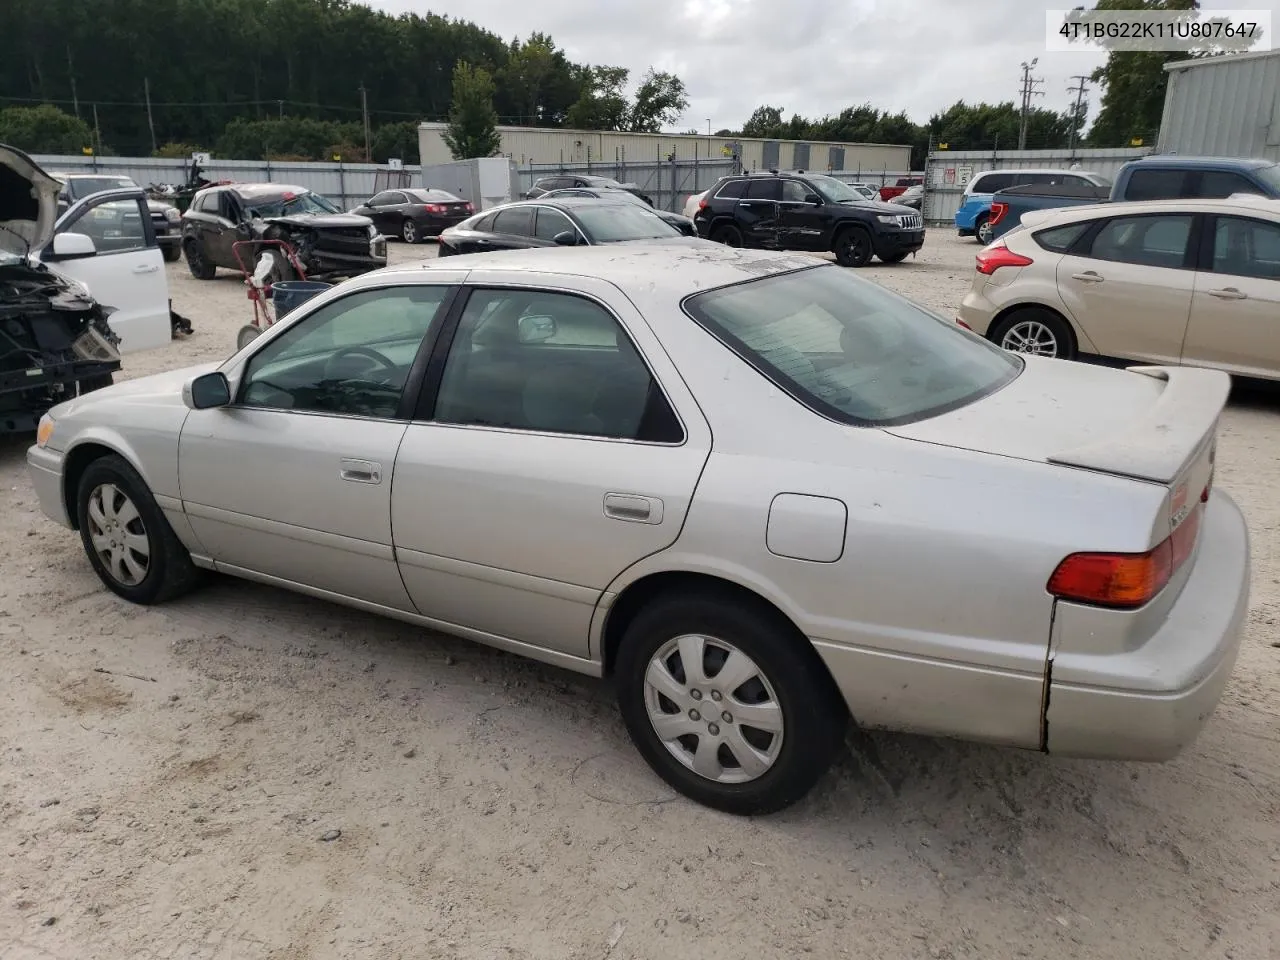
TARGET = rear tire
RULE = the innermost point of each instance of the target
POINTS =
(721, 726)
(125, 534)
(982, 230)
(200, 268)
(727, 234)
(852, 247)
(1037, 331)
(171, 252)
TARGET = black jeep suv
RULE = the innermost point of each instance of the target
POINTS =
(807, 211)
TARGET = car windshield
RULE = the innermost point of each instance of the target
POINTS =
(851, 350)
(835, 190)
(288, 204)
(1270, 176)
(83, 186)
(615, 222)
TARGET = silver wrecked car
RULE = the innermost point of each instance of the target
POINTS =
(760, 493)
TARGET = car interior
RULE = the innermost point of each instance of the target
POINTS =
(113, 226)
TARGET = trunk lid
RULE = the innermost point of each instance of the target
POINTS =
(1152, 424)
(28, 203)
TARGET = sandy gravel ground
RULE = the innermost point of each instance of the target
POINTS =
(168, 778)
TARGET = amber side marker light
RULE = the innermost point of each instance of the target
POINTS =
(1126, 580)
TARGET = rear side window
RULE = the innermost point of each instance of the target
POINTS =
(1145, 241)
(1156, 185)
(1217, 184)
(732, 190)
(517, 221)
(1060, 239)
(1246, 248)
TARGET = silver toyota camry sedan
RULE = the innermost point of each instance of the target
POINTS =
(763, 495)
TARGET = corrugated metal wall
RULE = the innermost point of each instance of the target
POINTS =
(526, 145)
(948, 171)
(1225, 107)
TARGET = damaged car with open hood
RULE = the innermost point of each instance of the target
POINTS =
(234, 225)
(55, 339)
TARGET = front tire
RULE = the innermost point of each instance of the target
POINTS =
(129, 542)
(729, 235)
(1036, 331)
(727, 703)
(409, 231)
(853, 247)
(171, 252)
(200, 268)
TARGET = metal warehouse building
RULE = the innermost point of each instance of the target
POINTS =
(542, 145)
(1227, 106)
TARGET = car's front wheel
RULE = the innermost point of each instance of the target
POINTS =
(409, 231)
(130, 544)
(727, 703)
(200, 268)
(853, 247)
(171, 252)
(1037, 331)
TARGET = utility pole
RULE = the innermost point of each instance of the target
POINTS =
(71, 71)
(364, 106)
(1029, 84)
(280, 109)
(97, 137)
(146, 88)
(1077, 113)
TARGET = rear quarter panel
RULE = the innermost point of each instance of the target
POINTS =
(973, 205)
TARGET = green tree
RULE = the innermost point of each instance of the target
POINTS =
(44, 129)
(473, 123)
(602, 102)
(537, 86)
(660, 101)
(284, 138)
(399, 140)
(764, 123)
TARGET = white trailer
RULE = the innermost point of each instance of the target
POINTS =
(486, 182)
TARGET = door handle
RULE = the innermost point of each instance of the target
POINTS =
(1088, 277)
(632, 508)
(1229, 293)
(151, 269)
(360, 471)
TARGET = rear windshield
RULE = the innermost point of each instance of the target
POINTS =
(433, 196)
(849, 349)
(614, 222)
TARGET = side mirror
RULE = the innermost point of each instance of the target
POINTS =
(813, 198)
(567, 238)
(534, 329)
(206, 391)
(72, 246)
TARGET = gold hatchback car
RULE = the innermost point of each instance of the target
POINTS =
(1193, 282)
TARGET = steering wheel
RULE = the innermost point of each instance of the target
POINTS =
(331, 366)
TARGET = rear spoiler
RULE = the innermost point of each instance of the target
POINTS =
(1158, 446)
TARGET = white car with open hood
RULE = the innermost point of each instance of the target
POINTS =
(760, 493)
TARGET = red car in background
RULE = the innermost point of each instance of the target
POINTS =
(888, 193)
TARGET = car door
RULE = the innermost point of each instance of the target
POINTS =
(1129, 289)
(126, 271)
(1235, 310)
(512, 229)
(391, 213)
(557, 447)
(757, 212)
(291, 482)
(802, 217)
(375, 209)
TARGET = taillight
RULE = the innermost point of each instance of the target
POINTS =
(471, 208)
(702, 204)
(1125, 580)
(998, 210)
(434, 208)
(963, 324)
(998, 255)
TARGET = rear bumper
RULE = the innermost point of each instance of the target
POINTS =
(44, 467)
(1157, 697)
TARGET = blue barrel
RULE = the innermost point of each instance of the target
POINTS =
(287, 294)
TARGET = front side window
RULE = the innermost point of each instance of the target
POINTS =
(351, 357)
(1247, 248)
(517, 222)
(114, 227)
(1145, 241)
(849, 349)
(382, 200)
(552, 223)
(552, 363)
(793, 191)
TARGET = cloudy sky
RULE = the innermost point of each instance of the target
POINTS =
(811, 57)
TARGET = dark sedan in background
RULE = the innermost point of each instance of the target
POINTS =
(681, 223)
(565, 222)
(565, 181)
(414, 214)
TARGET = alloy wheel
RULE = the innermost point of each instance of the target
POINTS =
(410, 231)
(984, 232)
(118, 535)
(1031, 336)
(713, 709)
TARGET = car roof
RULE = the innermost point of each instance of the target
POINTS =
(1236, 204)
(567, 203)
(1175, 160)
(250, 191)
(666, 269)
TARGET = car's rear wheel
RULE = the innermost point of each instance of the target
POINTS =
(171, 252)
(852, 247)
(1037, 331)
(200, 268)
(727, 234)
(727, 703)
(129, 542)
(982, 230)
(409, 230)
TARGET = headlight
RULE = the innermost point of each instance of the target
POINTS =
(45, 430)
(172, 214)
(890, 219)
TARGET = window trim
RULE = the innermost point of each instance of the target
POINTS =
(1208, 241)
(424, 413)
(1083, 247)
(720, 189)
(414, 379)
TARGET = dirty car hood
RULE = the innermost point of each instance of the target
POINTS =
(28, 203)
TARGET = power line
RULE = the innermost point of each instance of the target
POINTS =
(1029, 84)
